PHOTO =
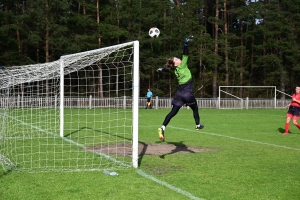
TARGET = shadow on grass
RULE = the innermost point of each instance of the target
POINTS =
(143, 151)
(76, 131)
(282, 130)
(166, 148)
(95, 130)
(179, 147)
(163, 149)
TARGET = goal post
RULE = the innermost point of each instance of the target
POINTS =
(79, 113)
(135, 105)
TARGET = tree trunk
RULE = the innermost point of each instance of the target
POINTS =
(47, 34)
(98, 22)
(47, 47)
(215, 73)
(241, 60)
(100, 78)
(226, 45)
(17, 31)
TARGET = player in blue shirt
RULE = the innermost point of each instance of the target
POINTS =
(149, 99)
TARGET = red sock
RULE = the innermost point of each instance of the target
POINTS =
(287, 127)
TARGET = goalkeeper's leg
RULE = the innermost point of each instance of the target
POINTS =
(196, 115)
(173, 112)
(168, 118)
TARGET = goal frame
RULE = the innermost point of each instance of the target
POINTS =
(241, 99)
(135, 98)
(21, 81)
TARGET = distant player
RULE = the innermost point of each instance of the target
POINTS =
(184, 94)
(149, 99)
(293, 112)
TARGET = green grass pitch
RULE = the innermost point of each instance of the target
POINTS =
(248, 159)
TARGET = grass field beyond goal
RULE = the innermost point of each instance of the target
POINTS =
(240, 154)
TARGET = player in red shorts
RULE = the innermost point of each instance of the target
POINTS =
(293, 112)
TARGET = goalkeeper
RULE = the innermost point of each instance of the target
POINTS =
(184, 94)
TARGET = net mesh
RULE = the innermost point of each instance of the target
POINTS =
(97, 112)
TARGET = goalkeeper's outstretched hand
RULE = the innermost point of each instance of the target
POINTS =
(159, 69)
(189, 38)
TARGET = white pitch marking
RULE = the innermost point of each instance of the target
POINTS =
(231, 137)
(110, 158)
(140, 172)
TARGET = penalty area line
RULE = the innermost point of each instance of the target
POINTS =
(236, 138)
(178, 190)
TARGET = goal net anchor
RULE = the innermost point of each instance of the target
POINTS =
(6, 164)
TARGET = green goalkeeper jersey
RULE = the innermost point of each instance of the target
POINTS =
(182, 72)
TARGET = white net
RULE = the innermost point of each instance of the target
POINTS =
(87, 127)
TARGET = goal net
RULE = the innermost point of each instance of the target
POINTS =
(78, 113)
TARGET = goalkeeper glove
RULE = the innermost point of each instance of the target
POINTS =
(159, 69)
(189, 38)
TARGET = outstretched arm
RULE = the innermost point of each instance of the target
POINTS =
(185, 45)
(185, 49)
(162, 70)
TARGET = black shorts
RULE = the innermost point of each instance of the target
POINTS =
(294, 111)
(184, 95)
(148, 99)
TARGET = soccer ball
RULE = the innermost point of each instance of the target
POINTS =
(154, 32)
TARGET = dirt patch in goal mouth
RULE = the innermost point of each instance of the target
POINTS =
(148, 149)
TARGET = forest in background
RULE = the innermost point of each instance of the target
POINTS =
(246, 43)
